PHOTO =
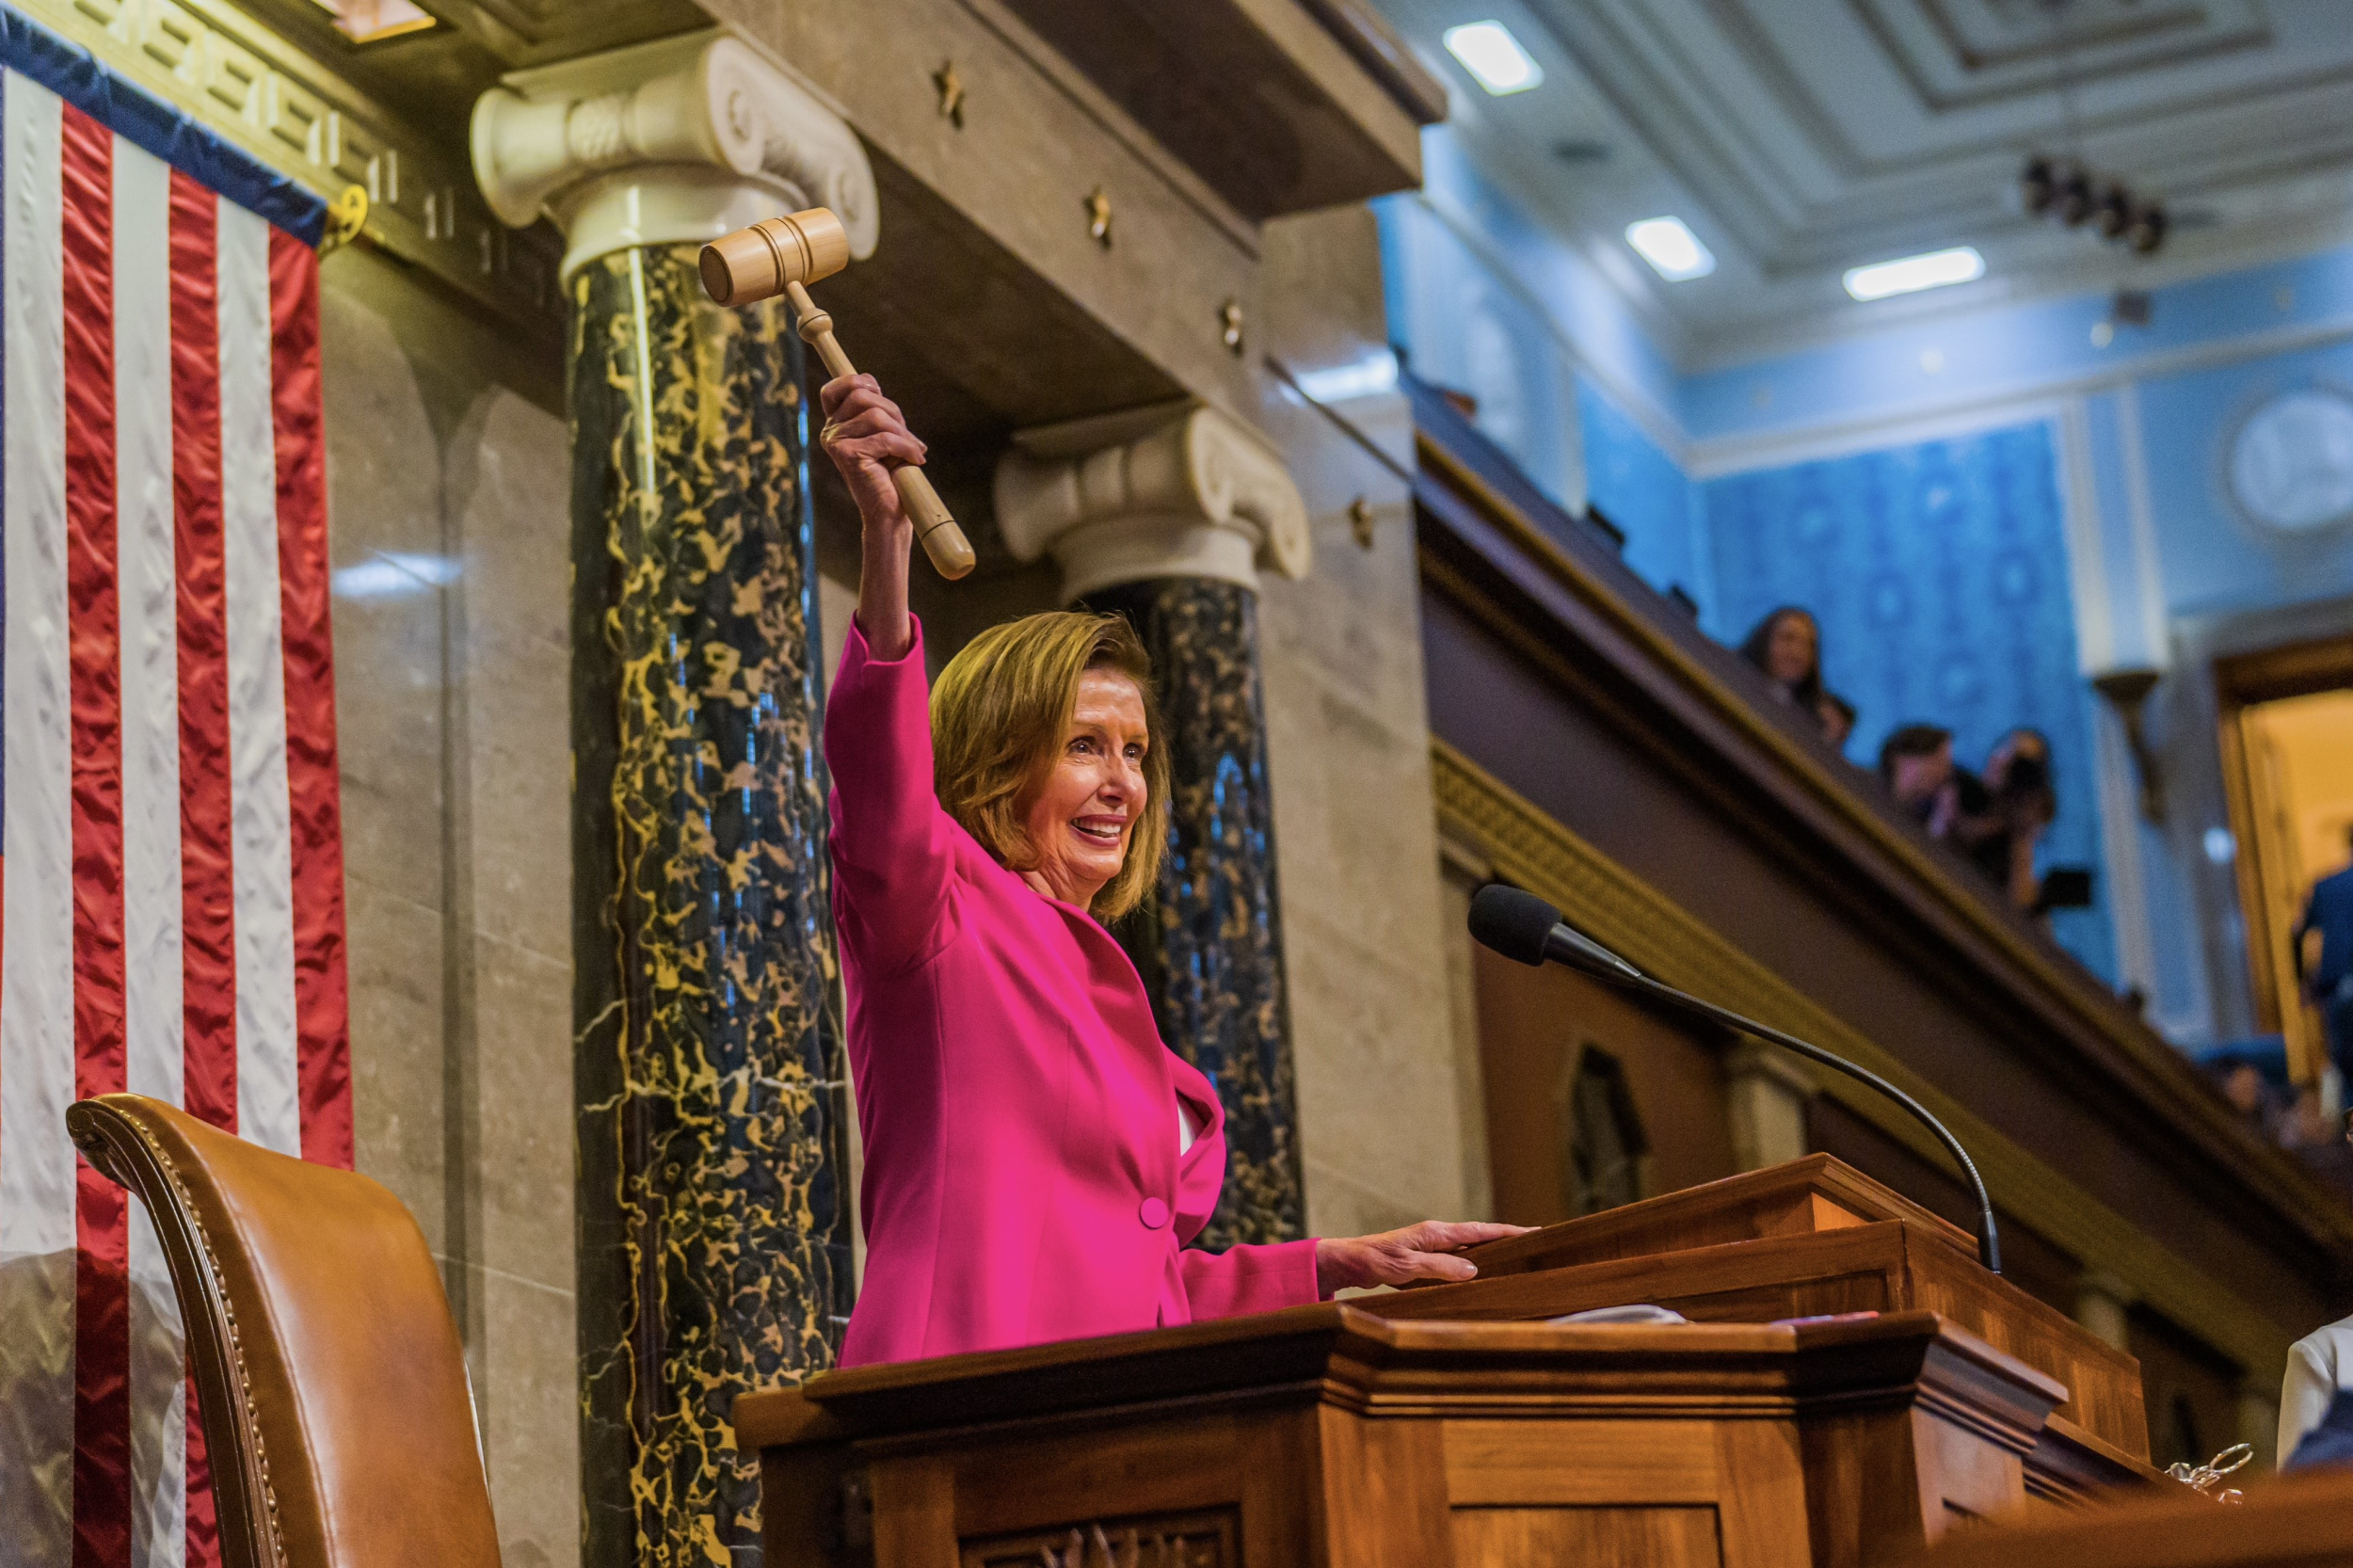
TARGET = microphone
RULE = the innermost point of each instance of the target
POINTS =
(1526, 929)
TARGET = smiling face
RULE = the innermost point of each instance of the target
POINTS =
(1080, 817)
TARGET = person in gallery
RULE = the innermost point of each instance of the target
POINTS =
(1916, 764)
(1035, 1157)
(2327, 924)
(1787, 645)
(2004, 813)
(1838, 716)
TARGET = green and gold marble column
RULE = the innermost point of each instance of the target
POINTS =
(714, 1247)
(711, 1231)
(1167, 516)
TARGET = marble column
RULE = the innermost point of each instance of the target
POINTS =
(1166, 517)
(713, 1227)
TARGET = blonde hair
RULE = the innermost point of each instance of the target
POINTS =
(999, 714)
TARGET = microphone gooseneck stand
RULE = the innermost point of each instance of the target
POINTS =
(1523, 927)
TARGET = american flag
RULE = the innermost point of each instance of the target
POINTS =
(170, 839)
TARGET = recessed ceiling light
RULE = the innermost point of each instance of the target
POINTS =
(1909, 274)
(1672, 250)
(1493, 56)
(372, 21)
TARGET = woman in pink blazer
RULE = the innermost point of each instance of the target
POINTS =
(1035, 1159)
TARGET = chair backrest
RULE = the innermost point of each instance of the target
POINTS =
(336, 1409)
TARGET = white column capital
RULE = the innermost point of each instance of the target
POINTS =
(677, 142)
(1167, 491)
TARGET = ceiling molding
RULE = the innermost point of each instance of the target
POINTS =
(1714, 456)
(1801, 138)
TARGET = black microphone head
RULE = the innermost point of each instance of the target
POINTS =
(1512, 922)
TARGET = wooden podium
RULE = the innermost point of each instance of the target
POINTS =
(1811, 1238)
(1442, 1426)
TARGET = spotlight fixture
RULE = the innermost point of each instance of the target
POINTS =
(2075, 196)
(2114, 211)
(2064, 189)
(2038, 185)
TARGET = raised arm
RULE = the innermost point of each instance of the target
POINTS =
(893, 847)
(864, 434)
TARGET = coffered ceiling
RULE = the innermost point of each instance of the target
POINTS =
(1801, 138)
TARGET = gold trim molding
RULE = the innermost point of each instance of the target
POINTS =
(1526, 846)
(289, 110)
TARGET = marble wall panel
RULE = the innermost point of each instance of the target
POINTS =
(530, 1424)
(447, 473)
(398, 1099)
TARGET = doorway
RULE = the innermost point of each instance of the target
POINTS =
(2287, 763)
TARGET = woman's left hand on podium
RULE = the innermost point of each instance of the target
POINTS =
(1430, 1250)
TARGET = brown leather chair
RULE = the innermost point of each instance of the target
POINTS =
(336, 1409)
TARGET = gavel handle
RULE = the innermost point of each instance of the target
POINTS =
(943, 541)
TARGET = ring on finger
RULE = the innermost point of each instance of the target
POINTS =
(827, 436)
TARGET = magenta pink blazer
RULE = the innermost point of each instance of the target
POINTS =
(1018, 1109)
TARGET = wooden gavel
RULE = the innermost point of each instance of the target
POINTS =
(778, 255)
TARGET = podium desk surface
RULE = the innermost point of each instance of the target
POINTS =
(1337, 1353)
(1811, 1236)
(1325, 1436)
(1799, 1197)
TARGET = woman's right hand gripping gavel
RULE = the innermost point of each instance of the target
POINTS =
(865, 436)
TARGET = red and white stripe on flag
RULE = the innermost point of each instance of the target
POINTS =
(171, 841)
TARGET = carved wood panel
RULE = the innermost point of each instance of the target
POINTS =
(1200, 1540)
(1652, 1537)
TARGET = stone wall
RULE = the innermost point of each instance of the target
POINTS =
(1382, 1095)
(447, 475)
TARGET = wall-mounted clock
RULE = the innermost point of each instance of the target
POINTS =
(2291, 461)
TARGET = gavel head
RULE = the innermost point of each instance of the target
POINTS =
(755, 263)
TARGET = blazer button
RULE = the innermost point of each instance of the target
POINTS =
(1153, 1213)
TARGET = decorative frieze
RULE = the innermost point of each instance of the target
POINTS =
(268, 98)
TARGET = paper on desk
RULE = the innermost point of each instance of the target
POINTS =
(1636, 1312)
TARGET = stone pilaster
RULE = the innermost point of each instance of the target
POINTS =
(1166, 517)
(2259, 1422)
(1766, 1094)
(2104, 1305)
(713, 1228)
